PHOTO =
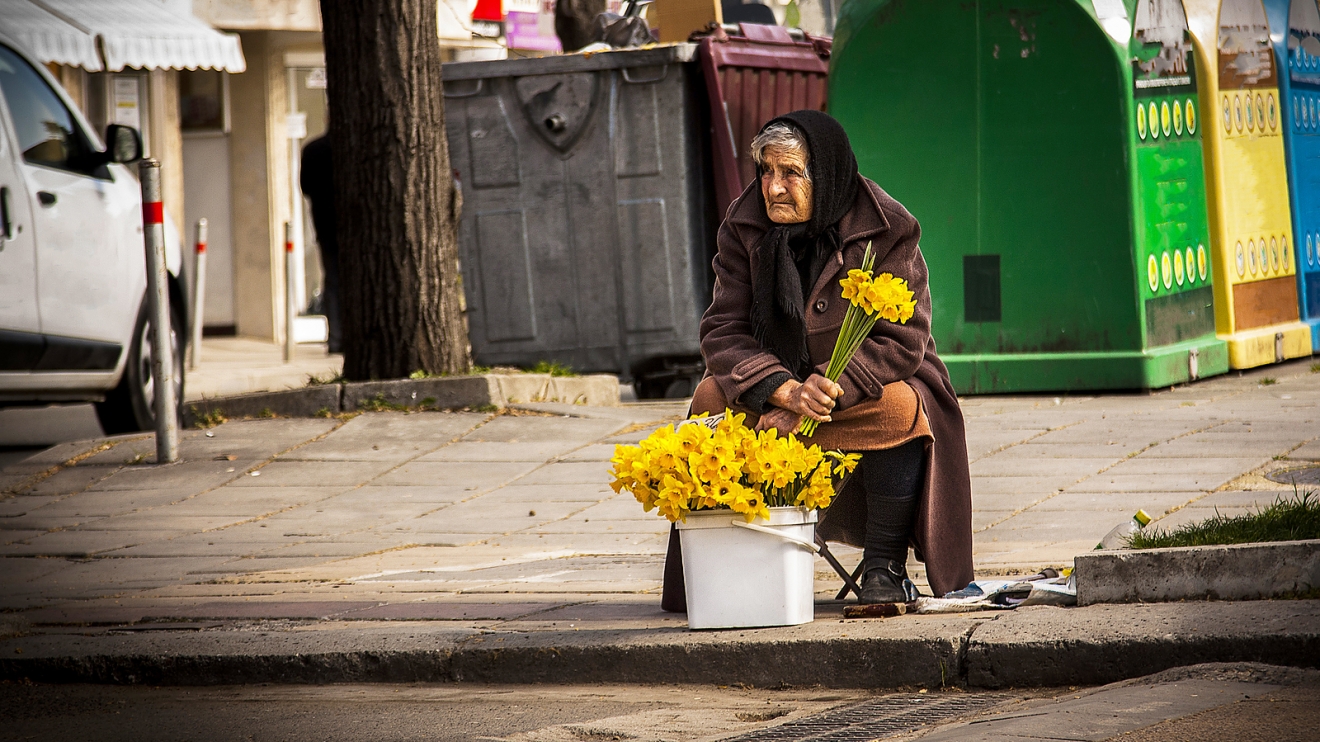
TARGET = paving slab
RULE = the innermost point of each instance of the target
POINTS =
(104, 503)
(474, 475)
(280, 473)
(388, 436)
(537, 451)
(1029, 487)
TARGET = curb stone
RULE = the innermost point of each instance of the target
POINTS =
(1029, 647)
(450, 392)
(1232, 572)
(305, 402)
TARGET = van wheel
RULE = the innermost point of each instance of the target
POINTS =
(128, 408)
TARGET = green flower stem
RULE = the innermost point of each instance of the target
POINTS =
(857, 326)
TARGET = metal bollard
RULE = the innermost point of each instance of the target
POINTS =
(290, 312)
(158, 304)
(199, 294)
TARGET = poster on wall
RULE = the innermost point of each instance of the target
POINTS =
(127, 97)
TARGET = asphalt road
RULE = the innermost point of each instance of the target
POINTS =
(1204, 703)
(385, 713)
(26, 430)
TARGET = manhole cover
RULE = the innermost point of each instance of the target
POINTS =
(897, 714)
(1303, 475)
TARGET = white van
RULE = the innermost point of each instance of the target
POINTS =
(73, 309)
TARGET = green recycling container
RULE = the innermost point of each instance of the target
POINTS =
(1052, 151)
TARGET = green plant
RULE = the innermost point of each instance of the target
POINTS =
(554, 368)
(208, 419)
(427, 402)
(1290, 519)
(419, 374)
(1268, 381)
(378, 403)
(1315, 368)
(266, 413)
(324, 412)
(314, 380)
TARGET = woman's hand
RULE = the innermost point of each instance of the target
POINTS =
(813, 398)
(785, 421)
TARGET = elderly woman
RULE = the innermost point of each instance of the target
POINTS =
(769, 332)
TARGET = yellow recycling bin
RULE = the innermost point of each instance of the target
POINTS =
(1247, 185)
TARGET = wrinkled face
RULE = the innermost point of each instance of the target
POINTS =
(785, 186)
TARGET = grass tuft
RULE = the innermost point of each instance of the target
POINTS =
(1292, 519)
(314, 380)
(209, 419)
(378, 403)
(554, 368)
(1315, 368)
(1268, 381)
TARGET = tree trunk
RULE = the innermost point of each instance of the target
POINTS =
(396, 205)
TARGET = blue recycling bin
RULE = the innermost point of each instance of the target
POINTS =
(1295, 33)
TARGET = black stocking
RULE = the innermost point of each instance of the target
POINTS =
(893, 480)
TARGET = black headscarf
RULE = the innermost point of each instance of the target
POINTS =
(793, 255)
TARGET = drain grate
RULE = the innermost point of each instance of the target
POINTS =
(870, 720)
(1302, 475)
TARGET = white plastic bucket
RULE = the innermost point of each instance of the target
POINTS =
(738, 576)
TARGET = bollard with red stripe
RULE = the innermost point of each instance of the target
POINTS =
(199, 294)
(290, 296)
(163, 370)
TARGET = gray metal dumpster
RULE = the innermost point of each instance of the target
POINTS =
(588, 227)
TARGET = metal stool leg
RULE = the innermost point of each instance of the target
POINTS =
(849, 581)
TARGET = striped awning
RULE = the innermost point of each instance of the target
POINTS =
(144, 34)
(48, 37)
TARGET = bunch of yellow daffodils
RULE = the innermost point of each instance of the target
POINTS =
(697, 467)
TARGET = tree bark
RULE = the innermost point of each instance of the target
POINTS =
(396, 204)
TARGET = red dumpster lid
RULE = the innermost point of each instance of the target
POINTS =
(751, 79)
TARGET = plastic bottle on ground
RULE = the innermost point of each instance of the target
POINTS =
(1123, 532)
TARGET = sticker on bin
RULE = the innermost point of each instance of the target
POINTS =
(1191, 266)
(1200, 261)
(1189, 111)
(1153, 120)
(1166, 270)
(1178, 267)
(1166, 122)
(1241, 261)
(1141, 122)
(1153, 273)
(1177, 119)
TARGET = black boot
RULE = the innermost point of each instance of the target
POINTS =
(882, 582)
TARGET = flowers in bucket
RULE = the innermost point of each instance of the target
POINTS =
(870, 298)
(717, 462)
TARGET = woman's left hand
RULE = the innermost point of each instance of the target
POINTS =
(785, 421)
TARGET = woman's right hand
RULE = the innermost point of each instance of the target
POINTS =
(813, 398)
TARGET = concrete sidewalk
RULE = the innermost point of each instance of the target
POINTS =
(484, 530)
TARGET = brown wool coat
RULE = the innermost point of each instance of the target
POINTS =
(893, 352)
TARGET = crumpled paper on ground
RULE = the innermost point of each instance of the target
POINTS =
(1046, 588)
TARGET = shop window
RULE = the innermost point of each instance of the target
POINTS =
(203, 101)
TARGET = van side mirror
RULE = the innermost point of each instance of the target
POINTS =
(122, 143)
